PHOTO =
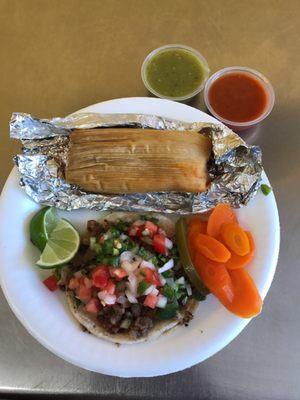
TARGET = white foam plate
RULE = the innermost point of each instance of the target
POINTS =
(45, 315)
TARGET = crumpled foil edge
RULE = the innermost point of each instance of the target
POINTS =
(235, 168)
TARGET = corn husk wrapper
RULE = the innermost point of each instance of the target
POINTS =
(127, 160)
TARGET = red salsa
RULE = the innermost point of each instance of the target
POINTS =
(238, 97)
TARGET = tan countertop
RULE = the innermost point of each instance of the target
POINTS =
(58, 56)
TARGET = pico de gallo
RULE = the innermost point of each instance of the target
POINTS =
(128, 275)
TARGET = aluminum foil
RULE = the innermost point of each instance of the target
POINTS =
(235, 168)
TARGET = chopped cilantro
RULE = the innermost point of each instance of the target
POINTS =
(114, 232)
(169, 292)
(154, 260)
(108, 247)
(168, 274)
(122, 226)
(169, 311)
(107, 260)
(145, 254)
(266, 189)
(142, 287)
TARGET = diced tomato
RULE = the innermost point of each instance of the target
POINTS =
(147, 274)
(51, 283)
(73, 283)
(110, 287)
(100, 281)
(159, 244)
(84, 293)
(151, 276)
(151, 227)
(93, 306)
(150, 300)
(118, 273)
(100, 276)
(136, 229)
(103, 268)
(139, 231)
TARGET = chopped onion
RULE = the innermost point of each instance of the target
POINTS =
(126, 256)
(102, 294)
(155, 291)
(163, 280)
(121, 299)
(106, 298)
(149, 290)
(128, 266)
(145, 232)
(169, 243)
(92, 242)
(188, 289)
(125, 324)
(132, 283)
(147, 264)
(168, 265)
(161, 301)
(130, 296)
(180, 281)
(123, 236)
(170, 282)
(129, 261)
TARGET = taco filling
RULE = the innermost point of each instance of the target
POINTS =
(127, 277)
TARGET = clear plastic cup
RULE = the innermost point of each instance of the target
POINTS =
(196, 53)
(240, 126)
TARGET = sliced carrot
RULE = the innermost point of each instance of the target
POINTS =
(210, 248)
(198, 224)
(215, 277)
(235, 238)
(221, 214)
(247, 301)
(195, 226)
(236, 261)
(235, 289)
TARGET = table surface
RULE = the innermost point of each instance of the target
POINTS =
(59, 56)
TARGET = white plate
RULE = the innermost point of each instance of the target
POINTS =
(45, 315)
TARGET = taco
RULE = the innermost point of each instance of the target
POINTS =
(126, 284)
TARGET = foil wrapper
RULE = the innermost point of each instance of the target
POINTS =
(235, 168)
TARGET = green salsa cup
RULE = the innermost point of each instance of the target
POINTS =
(175, 72)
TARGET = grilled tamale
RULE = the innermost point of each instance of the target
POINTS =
(125, 160)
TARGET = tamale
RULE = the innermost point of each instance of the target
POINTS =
(125, 160)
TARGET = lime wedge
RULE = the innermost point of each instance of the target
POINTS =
(62, 245)
(41, 225)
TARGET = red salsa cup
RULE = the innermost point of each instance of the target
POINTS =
(239, 97)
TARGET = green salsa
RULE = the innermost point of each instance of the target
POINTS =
(175, 72)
